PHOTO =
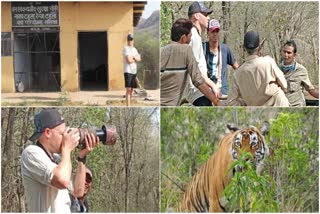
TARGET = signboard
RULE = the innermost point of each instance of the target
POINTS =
(35, 14)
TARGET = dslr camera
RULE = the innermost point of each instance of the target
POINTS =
(107, 135)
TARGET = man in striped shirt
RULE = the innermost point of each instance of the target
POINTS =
(218, 56)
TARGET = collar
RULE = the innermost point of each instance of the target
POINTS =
(287, 68)
(250, 57)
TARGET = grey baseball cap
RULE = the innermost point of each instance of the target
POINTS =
(46, 118)
(198, 7)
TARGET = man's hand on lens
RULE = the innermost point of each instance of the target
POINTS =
(91, 141)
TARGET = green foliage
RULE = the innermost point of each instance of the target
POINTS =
(248, 191)
(294, 164)
(148, 47)
(165, 23)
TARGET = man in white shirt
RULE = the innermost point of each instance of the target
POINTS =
(46, 167)
(199, 16)
(130, 57)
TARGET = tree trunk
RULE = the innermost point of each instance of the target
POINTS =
(226, 20)
(6, 152)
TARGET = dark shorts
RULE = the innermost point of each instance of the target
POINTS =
(202, 101)
(130, 80)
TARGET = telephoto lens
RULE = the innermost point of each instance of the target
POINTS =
(107, 135)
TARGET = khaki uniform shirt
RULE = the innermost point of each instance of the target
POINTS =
(257, 82)
(297, 80)
(177, 63)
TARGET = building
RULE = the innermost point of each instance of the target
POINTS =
(70, 46)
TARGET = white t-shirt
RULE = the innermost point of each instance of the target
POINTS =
(132, 67)
(191, 92)
(37, 173)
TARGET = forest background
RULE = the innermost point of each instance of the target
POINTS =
(125, 175)
(189, 136)
(275, 21)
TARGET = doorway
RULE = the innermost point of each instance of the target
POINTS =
(36, 58)
(93, 58)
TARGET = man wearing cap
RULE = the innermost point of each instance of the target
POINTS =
(218, 56)
(198, 15)
(296, 76)
(177, 64)
(46, 166)
(258, 81)
(130, 57)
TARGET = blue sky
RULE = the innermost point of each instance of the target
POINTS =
(150, 7)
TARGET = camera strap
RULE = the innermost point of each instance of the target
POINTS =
(41, 146)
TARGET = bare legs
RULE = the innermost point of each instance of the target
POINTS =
(128, 95)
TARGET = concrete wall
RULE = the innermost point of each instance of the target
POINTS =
(7, 75)
(114, 17)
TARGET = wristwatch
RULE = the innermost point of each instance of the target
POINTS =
(83, 160)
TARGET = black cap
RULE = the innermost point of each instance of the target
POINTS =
(198, 7)
(251, 40)
(46, 118)
(129, 37)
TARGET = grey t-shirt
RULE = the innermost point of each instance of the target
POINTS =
(37, 173)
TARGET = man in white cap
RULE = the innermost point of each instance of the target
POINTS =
(258, 81)
(46, 166)
(218, 56)
(198, 15)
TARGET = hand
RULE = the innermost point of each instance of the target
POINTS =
(70, 139)
(91, 142)
(216, 91)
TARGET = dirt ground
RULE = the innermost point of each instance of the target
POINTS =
(81, 98)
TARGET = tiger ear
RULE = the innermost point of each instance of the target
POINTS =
(265, 128)
(231, 128)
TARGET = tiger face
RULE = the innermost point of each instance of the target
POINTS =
(251, 140)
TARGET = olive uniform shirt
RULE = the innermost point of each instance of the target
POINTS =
(177, 63)
(257, 83)
(297, 80)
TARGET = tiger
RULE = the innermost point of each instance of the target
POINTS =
(203, 193)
